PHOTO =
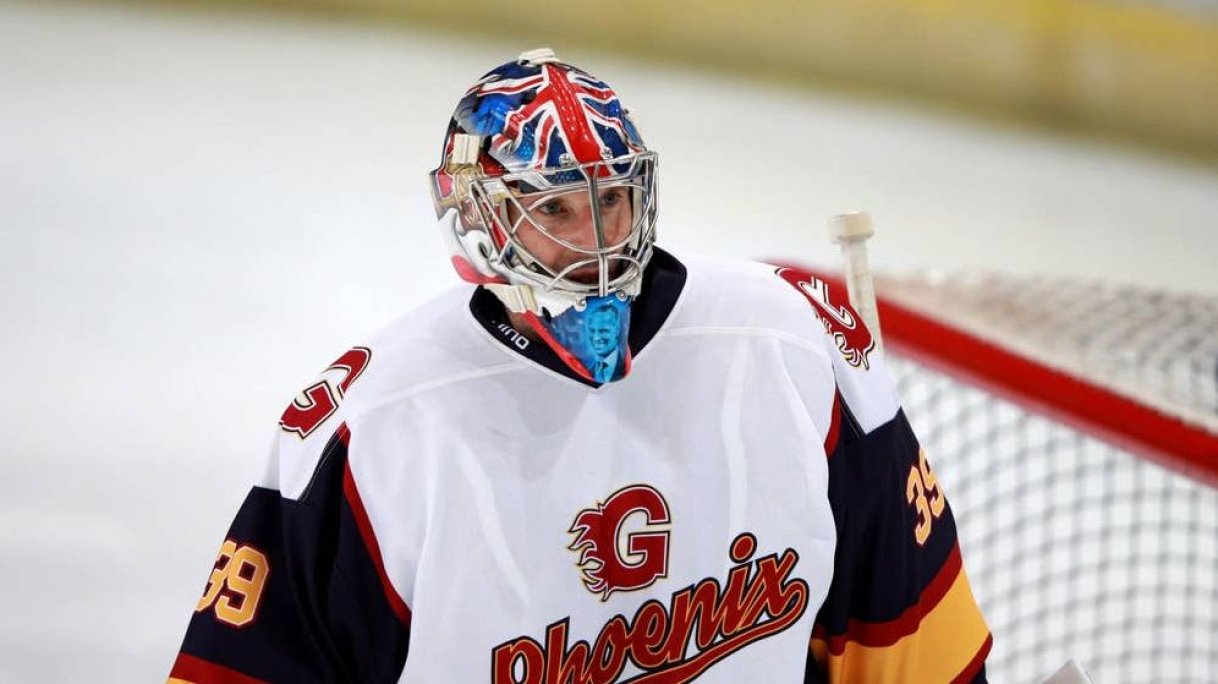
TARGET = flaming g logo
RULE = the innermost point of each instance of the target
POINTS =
(623, 546)
(613, 559)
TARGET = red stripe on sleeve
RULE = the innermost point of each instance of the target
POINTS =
(835, 425)
(888, 633)
(969, 673)
(365, 529)
(199, 671)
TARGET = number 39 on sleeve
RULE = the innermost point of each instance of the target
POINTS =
(235, 586)
(922, 491)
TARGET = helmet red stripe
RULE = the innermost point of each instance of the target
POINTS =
(584, 145)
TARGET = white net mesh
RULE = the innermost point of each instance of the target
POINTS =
(1076, 548)
(1158, 348)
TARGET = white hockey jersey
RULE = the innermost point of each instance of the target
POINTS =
(447, 504)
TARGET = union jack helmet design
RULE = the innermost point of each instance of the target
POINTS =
(529, 132)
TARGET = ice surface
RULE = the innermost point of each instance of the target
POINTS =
(199, 212)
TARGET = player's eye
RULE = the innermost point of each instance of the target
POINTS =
(612, 197)
(551, 208)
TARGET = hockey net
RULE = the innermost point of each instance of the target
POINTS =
(1075, 429)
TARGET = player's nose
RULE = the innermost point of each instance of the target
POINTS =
(586, 234)
(612, 232)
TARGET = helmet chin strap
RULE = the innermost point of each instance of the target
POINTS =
(524, 298)
(516, 298)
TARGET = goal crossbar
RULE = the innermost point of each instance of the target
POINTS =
(1114, 417)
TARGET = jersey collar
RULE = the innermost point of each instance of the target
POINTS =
(663, 280)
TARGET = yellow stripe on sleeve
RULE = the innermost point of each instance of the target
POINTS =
(946, 643)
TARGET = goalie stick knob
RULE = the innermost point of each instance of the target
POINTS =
(851, 232)
(854, 226)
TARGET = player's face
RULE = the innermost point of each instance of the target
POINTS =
(568, 217)
(602, 332)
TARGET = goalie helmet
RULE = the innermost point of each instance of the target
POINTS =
(529, 136)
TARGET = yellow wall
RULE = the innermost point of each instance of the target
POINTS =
(1138, 73)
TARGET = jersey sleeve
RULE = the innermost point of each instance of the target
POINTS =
(899, 606)
(298, 592)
